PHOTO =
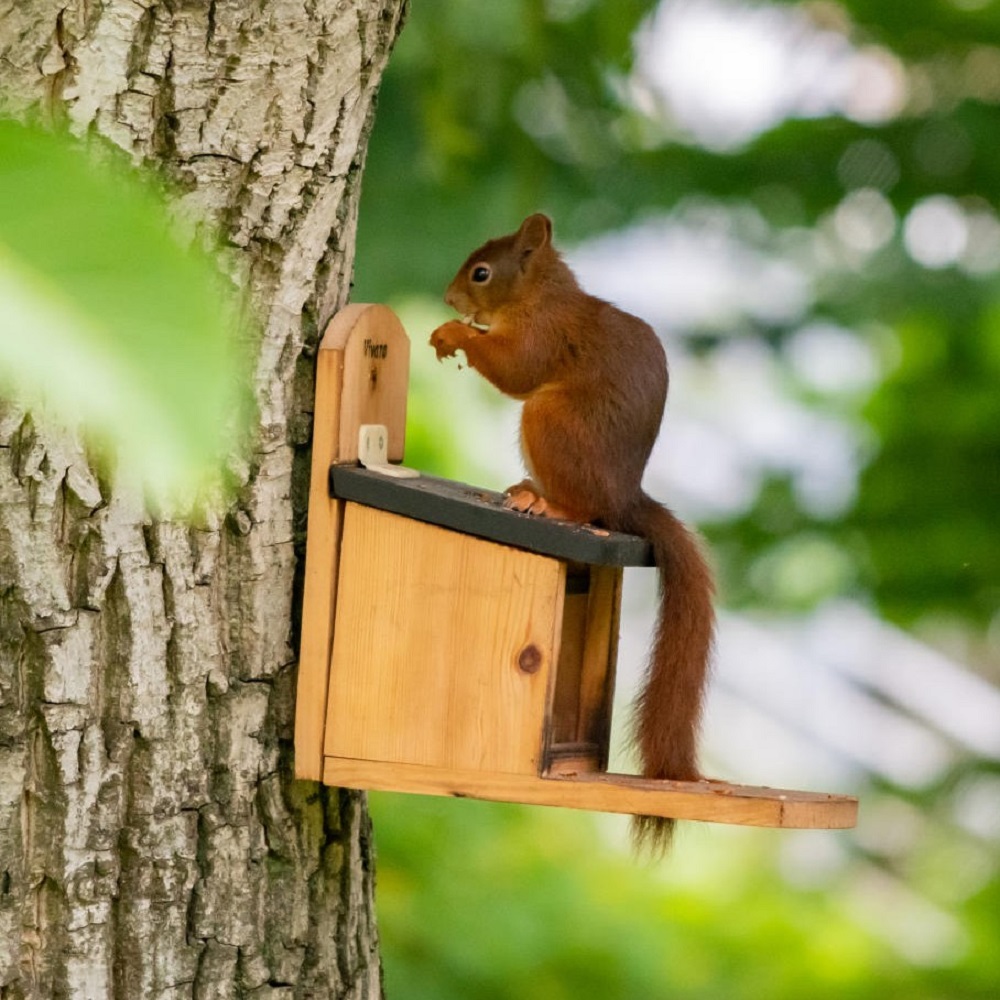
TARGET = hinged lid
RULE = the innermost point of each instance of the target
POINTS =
(480, 512)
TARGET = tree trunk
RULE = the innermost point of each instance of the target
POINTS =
(152, 840)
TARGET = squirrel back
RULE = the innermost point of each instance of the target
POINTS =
(593, 379)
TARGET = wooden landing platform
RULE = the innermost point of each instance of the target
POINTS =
(706, 801)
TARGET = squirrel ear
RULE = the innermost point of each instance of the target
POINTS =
(535, 232)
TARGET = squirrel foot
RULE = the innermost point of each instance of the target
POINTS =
(526, 498)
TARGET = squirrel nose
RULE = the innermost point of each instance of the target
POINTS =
(449, 298)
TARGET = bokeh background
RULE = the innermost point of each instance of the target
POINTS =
(802, 198)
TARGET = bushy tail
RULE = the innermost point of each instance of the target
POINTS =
(667, 712)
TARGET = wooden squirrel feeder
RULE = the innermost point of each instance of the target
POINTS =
(453, 647)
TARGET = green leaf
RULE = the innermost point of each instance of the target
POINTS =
(106, 320)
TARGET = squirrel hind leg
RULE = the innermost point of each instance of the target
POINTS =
(526, 498)
(521, 495)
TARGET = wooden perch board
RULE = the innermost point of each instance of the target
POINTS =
(707, 801)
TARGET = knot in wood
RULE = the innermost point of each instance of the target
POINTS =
(529, 660)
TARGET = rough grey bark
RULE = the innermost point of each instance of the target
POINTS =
(152, 841)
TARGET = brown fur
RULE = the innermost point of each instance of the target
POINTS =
(594, 383)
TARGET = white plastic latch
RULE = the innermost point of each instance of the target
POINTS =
(373, 452)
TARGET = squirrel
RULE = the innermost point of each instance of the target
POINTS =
(593, 379)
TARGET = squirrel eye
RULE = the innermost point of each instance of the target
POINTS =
(481, 274)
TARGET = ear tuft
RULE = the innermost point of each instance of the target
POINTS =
(535, 233)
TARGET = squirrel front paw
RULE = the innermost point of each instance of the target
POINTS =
(448, 338)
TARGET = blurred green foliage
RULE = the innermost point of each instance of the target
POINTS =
(499, 901)
(107, 320)
(489, 112)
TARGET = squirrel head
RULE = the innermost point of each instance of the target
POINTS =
(502, 271)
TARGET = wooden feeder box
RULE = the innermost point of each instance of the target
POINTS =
(453, 647)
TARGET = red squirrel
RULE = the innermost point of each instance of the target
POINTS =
(594, 383)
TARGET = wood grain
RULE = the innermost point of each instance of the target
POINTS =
(600, 656)
(361, 376)
(580, 721)
(712, 802)
(443, 647)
